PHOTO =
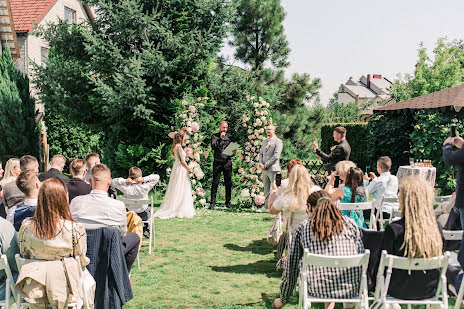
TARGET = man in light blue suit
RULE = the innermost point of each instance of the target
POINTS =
(269, 160)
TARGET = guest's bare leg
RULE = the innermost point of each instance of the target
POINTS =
(329, 305)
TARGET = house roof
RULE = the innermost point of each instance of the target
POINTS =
(27, 12)
(362, 91)
(451, 97)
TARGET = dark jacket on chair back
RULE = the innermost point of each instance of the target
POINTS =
(77, 187)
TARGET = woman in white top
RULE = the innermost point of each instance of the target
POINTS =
(284, 183)
(293, 199)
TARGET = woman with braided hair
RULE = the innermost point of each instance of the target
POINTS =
(327, 232)
(415, 235)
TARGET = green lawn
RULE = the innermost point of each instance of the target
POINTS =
(218, 259)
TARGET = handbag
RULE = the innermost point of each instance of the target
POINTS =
(275, 230)
(284, 242)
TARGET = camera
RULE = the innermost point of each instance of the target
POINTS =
(278, 179)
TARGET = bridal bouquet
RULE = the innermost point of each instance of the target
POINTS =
(195, 169)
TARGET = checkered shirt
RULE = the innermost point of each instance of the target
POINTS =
(323, 282)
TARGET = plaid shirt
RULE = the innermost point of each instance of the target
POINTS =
(323, 282)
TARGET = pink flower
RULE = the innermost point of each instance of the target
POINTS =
(195, 126)
(199, 99)
(259, 200)
(200, 192)
(241, 170)
(265, 121)
(206, 154)
(188, 152)
(253, 149)
(257, 113)
(240, 156)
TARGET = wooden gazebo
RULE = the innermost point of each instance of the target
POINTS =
(451, 99)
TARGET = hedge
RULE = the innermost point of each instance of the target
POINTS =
(359, 137)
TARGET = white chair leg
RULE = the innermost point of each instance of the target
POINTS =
(150, 226)
(138, 261)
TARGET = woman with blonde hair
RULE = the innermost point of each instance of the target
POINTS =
(328, 233)
(178, 200)
(12, 170)
(52, 240)
(415, 235)
(292, 202)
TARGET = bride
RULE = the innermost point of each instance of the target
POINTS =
(178, 200)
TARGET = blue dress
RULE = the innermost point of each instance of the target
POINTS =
(356, 215)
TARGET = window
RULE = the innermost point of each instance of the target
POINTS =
(69, 15)
(43, 56)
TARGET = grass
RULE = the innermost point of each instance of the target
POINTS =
(218, 259)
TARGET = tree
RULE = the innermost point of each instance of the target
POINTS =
(124, 74)
(17, 111)
(259, 34)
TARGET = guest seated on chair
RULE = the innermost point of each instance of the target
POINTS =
(293, 200)
(137, 187)
(77, 185)
(353, 183)
(29, 184)
(56, 168)
(329, 233)
(284, 183)
(52, 240)
(98, 209)
(415, 235)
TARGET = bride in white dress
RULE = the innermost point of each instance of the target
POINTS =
(178, 200)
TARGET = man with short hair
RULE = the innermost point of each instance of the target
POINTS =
(29, 184)
(12, 196)
(221, 163)
(136, 187)
(385, 185)
(98, 209)
(91, 160)
(269, 161)
(56, 168)
(77, 186)
(341, 151)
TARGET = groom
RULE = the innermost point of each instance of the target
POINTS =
(222, 163)
(269, 160)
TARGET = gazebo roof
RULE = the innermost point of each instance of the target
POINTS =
(451, 97)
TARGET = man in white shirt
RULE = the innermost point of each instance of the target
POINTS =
(136, 187)
(97, 209)
(386, 184)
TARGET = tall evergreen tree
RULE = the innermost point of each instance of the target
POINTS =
(19, 134)
(259, 34)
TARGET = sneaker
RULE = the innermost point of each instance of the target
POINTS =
(228, 205)
(262, 209)
(146, 234)
(212, 205)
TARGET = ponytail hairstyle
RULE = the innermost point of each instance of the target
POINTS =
(354, 180)
(177, 140)
(327, 220)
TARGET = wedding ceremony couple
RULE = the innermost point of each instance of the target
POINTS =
(178, 200)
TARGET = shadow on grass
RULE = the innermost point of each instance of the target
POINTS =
(264, 267)
(256, 246)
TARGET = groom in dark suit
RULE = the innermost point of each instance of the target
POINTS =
(222, 163)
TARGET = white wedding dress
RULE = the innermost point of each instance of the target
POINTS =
(178, 200)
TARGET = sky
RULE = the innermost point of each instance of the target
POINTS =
(335, 40)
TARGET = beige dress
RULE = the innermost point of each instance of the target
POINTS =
(51, 275)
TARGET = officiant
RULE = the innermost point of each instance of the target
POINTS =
(222, 163)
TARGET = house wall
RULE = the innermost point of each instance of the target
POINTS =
(35, 44)
(344, 98)
(21, 62)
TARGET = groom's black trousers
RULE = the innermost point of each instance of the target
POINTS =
(224, 167)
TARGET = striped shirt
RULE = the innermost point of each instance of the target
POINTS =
(323, 282)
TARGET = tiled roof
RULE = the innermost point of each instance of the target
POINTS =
(26, 12)
(453, 97)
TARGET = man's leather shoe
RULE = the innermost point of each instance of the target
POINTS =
(212, 205)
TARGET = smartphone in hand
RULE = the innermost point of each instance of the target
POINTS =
(278, 179)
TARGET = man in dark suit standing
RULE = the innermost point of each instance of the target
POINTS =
(56, 167)
(340, 152)
(222, 163)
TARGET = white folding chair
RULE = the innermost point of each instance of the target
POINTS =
(453, 235)
(444, 198)
(9, 283)
(394, 214)
(361, 206)
(359, 260)
(20, 303)
(150, 221)
(395, 262)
